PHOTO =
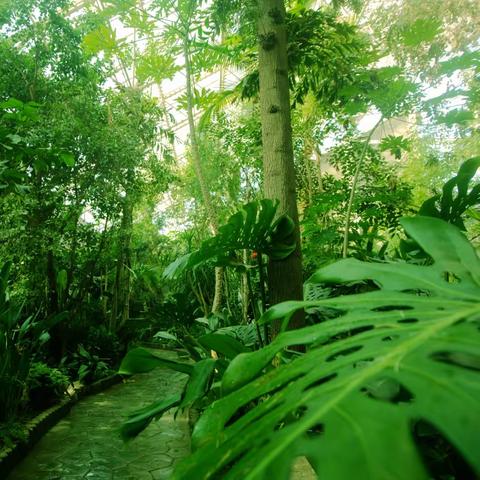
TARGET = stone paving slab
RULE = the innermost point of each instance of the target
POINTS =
(86, 443)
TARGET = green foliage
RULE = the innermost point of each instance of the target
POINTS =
(91, 368)
(45, 385)
(203, 374)
(421, 30)
(254, 227)
(140, 360)
(391, 357)
(458, 195)
(20, 340)
(395, 145)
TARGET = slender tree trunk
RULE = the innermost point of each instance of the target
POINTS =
(307, 154)
(318, 156)
(121, 289)
(285, 276)
(244, 291)
(127, 257)
(197, 163)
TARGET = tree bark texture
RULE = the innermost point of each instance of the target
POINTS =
(285, 276)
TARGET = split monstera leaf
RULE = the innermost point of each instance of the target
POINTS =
(407, 352)
(254, 227)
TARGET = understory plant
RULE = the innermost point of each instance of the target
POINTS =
(20, 340)
(395, 366)
(45, 385)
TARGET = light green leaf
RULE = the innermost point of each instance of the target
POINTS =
(421, 30)
(68, 159)
(417, 335)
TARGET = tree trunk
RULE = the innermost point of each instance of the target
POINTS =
(197, 163)
(121, 289)
(285, 276)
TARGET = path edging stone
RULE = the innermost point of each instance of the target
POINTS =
(38, 426)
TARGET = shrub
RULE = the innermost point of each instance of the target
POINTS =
(45, 385)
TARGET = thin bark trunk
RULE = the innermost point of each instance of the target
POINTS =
(307, 154)
(285, 276)
(127, 256)
(353, 190)
(244, 291)
(197, 163)
(318, 156)
(121, 289)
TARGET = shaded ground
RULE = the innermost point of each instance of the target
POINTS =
(86, 444)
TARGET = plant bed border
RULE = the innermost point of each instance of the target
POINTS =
(38, 426)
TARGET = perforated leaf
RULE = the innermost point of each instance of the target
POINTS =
(254, 227)
(406, 352)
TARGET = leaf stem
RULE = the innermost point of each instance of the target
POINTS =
(354, 187)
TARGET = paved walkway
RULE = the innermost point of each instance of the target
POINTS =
(86, 443)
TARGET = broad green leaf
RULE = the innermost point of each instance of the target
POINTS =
(458, 195)
(140, 360)
(224, 344)
(101, 39)
(141, 419)
(68, 159)
(418, 334)
(198, 383)
(253, 227)
(166, 336)
(460, 62)
(456, 116)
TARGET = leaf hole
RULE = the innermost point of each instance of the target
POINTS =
(321, 381)
(440, 457)
(388, 390)
(451, 277)
(346, 334)
(364, 362)
(344, 352)
(466, 360)
(389, 308)
(408, 320)
(389, 338)
(317, 429)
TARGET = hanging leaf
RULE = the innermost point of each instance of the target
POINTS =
(140, 360)
(198, 383)
(224, 344)
(61, 280)
(405, 353)
(395, 145)
(141, 419)
(253, 227)
(458, 195)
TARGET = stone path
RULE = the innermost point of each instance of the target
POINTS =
(86, 443)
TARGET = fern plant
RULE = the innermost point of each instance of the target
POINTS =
(403, 355)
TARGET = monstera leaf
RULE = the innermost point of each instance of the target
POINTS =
(254, 228)
(405, 353)
(457, 196)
